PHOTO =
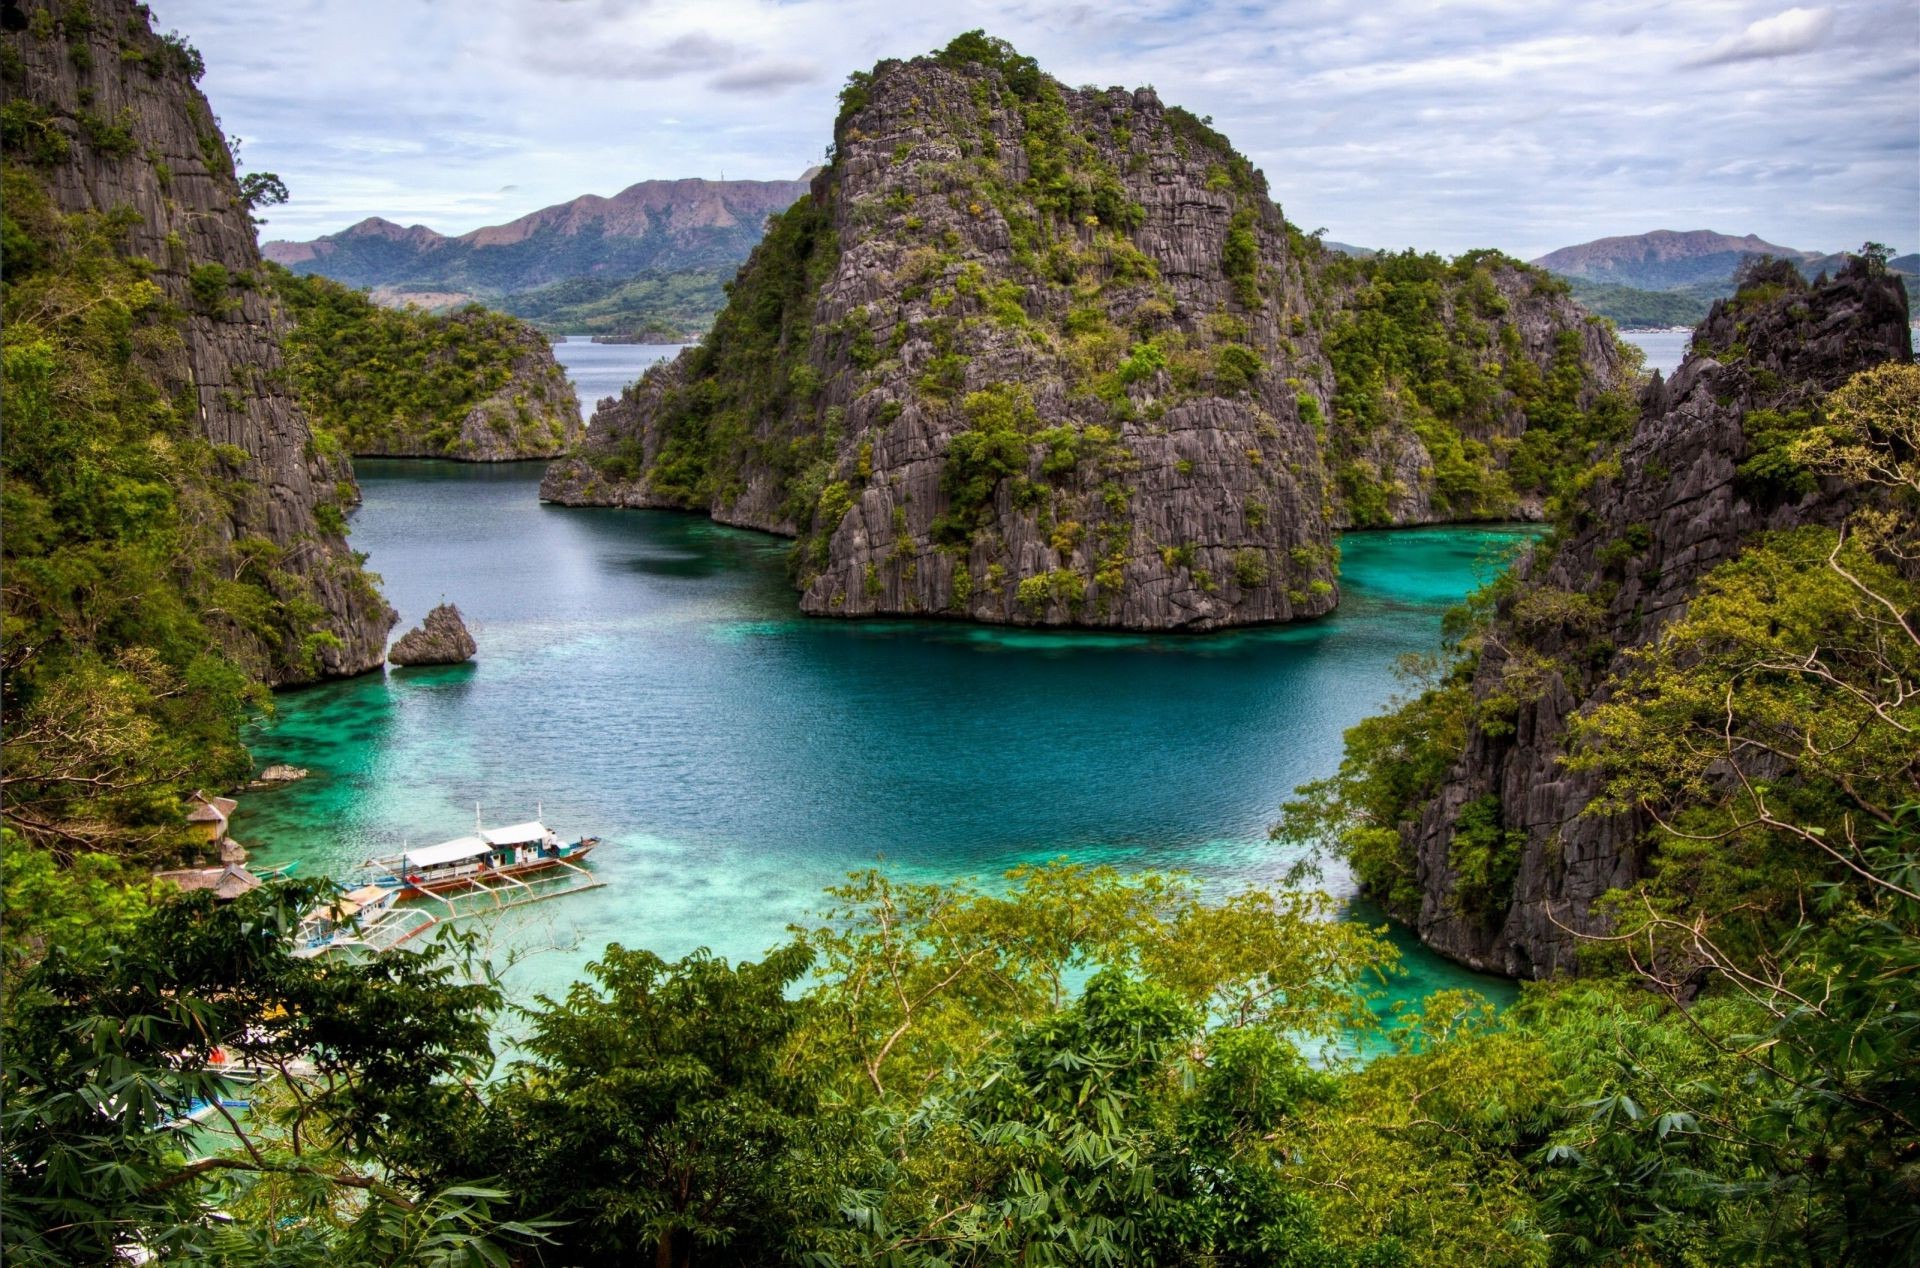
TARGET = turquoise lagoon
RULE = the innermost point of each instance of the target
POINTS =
(646, 677)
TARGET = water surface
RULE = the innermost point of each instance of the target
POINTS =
(1664, 349)
(645, 676)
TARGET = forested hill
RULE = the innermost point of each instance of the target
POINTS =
(473, 385)
(1664, 278)
(1706, 612)
(1043, 355)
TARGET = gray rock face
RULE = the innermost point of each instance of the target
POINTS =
(953, 260)
(441, 639)
(1199, 501)
(175, 173)
(1678, 491)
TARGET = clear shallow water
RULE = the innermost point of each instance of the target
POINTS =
(645, 677)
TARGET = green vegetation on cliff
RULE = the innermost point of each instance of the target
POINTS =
(743, 380)
(471, 384)
(136, 633)
(1435, 347)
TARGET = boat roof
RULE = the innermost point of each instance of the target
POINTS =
(516, 833)
(454, 851)
(366, 894)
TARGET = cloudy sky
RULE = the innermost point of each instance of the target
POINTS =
(1510, 123)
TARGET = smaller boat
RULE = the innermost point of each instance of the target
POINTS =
(365, 918)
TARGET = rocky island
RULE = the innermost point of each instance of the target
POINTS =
(441, 639)
(1503, 839)
(472, 385)
(1041, 355)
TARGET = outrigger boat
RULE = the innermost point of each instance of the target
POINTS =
(492, 869)
(489, 854)
(489, 871)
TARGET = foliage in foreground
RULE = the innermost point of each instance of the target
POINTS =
(1079, 1068)
(1762, 1103)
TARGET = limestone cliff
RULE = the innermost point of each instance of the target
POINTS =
(103, 116)
(1024, 354)
(1684, 493)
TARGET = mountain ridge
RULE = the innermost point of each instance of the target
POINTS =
(567, 266)
(1670, 277)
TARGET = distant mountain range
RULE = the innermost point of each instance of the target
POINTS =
(1666, 278)
(650, 260)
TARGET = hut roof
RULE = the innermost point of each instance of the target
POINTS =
(226, 882)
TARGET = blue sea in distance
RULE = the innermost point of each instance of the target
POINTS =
(646, 677)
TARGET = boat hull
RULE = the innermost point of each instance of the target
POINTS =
(428, 884)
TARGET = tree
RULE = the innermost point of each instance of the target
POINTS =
(110, 1042)
(914, 980)
(657, 1107)
(262, 189)
(1770, 735)
(1875, 255)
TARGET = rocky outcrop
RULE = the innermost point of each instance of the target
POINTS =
(1638, 542)
(109, 120)
(1048, 373)
(441, 639)
(534, 415)
(1024, 354)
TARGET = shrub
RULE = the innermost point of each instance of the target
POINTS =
(1236, 366)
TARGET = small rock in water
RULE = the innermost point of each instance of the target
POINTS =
(441, 639)
(281, 774)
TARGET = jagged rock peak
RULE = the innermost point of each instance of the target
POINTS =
(1683, 501)
(441, 639)
(1026, 353)
(1043, 355)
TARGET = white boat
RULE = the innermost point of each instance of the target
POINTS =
(490, 869)
(488, 855)
(365, 918)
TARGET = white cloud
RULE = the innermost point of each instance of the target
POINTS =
(1445, 124)
(1782, 35)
